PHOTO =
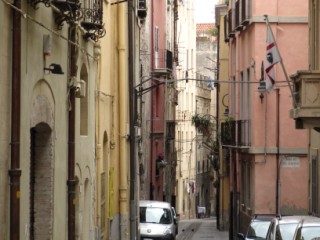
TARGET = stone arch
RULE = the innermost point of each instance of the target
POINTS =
(42, 104)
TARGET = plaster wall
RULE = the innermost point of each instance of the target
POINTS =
(37, 84)
(5, 113)
(247, 51)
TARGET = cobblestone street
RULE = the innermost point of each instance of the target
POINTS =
(204, 228)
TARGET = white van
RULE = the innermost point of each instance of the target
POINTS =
(156, 221)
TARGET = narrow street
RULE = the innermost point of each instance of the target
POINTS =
(204, 228)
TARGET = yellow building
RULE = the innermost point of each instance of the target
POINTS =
(222, 183)
(116, 168)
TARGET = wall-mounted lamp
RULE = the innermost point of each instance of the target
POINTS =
(262, 89)
(262, 84)
(226, 112)
(55, 68)
(225, 103)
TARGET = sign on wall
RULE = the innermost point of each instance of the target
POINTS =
(290, 162)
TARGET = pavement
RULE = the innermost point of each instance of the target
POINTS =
(203, 228)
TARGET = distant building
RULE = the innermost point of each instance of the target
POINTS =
(206, 74)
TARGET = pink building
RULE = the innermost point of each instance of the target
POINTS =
(161, 121)
(267, 155)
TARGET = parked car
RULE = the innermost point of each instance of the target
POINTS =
(284, 227)
(156, 220)
(258, 227)
(308, 229)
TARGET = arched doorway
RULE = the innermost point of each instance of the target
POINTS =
(41, 182)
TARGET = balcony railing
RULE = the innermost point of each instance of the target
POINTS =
(245, 12)
(231, 29)
(243, 135)
(228, 133)
(236, 133)
(92, 21)
(237, 18)
(70, 11)
(163, 60)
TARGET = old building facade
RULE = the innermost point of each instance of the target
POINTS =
(259, 137)
(49, 61)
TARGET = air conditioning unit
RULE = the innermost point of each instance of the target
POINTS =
(142, 8)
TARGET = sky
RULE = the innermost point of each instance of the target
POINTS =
(204, 11)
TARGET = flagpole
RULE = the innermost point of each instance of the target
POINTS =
(281, 62)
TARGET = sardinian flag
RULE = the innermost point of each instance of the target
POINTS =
(272, 57)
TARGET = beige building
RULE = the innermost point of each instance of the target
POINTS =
(48, 58)
(185, 131)
(206, 56)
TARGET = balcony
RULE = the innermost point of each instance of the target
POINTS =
(237, 18)
(306, 94)
(238, 26)
(65, 10)
(228, 133)
(243, 130)
(245, 12)
(92, 21)
(231, 29)
(236, 133)
(162, 63)
(69, 11)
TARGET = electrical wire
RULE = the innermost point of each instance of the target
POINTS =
(26, 16)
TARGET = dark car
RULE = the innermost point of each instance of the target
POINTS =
(258, 227)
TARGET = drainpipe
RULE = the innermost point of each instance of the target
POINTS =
(218, 97)
(71, 182)
(123, 119)
(132, 121)
(278, 154)
(14, 171)
(152, 163)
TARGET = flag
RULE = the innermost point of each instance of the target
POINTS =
(272, 58)
(210, 83)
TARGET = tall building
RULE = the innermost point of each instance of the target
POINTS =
(156, 97)
(306, 105)
(206, 55)
(221, 162)
(49, 60)
(258, 136)
(185, 130)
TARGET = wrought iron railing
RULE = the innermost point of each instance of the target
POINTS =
(70, 11)
(243, 133)
(228, 133)
(163, 59)
(236, 133)
(92, 21)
